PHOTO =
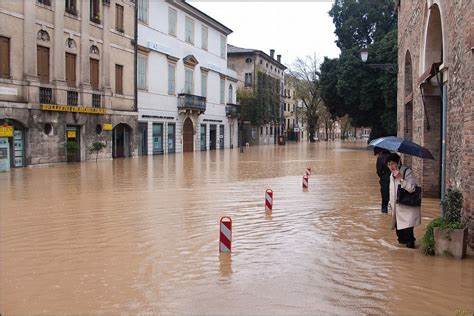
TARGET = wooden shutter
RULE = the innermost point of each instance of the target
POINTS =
(42, 60)
(71, 69)
(94, 68)
(4, 57)
(119, 17)
(119, 79)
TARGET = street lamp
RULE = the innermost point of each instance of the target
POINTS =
(391, 68)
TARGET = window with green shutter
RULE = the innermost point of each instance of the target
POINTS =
(141, 71)
(222, 90)
(188, 81)
(203, 84)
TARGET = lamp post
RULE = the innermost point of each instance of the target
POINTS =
(391, 68)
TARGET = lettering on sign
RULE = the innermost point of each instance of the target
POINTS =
(6, 131)
(107, 127)
(75, 109)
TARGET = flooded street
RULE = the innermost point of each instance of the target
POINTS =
(140, 236)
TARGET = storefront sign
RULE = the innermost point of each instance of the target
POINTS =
(107, 127)
(75, 109)
(71, 134)
(6, 131)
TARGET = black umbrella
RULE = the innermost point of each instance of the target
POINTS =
(401, 145)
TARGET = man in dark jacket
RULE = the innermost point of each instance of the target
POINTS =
(384, 174)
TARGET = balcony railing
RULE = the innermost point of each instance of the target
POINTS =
(45, 95)
(72, 98)
(191, 103)
(232, 110)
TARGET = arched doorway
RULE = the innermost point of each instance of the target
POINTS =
(408, 126)
(432, 102)
(188, 135)
(13, 144)
(121, 136)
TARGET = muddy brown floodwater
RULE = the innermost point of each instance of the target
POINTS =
(140, 236)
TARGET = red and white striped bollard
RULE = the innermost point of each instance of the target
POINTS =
(308, 171)
(305, 182)
(268, 200)
(225, 236)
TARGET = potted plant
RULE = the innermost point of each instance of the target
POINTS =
(448, 235)
(96, 148)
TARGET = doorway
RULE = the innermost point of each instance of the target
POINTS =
(212, 136)
(188, 135)
(121, 141)
(73, 143)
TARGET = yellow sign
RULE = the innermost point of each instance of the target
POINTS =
(6, 131)
(71, 134)
(107, 127)
(76, 109)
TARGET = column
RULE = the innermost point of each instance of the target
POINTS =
(29, 50)
(58, 53)
(84, 65)
(106, 61)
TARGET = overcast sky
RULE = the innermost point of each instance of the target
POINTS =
(293, 29)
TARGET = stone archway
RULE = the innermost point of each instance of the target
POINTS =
(433, 55)
(121, 141)
(188, 135)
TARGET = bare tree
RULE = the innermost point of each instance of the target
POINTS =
(304, 75)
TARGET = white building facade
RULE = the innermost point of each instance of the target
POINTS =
(186, 93)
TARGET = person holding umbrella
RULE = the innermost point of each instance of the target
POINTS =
(404, 217)
(405, 194)
(384, 176)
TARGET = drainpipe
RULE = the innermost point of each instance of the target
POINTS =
(135, 59)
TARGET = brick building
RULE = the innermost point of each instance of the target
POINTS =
(435, 58)
(66, 80)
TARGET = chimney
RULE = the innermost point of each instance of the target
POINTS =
(272, 53)
(279, 58)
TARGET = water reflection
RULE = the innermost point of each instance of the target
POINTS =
(140, 236)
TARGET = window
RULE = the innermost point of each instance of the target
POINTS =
(204, 37)
(71, 7)
(231, 94)
(189, 30)
(261, 61)
(141, 71)
(172, 21)
(203, 84)
(95, 11)
(171, 137)
(72, 98)
(223, 46)
(222, 91)
(119, 18)
(188, 81)
(4, 57)
(143, 10)
(45, 2)
(42, 61)
(248, 60)
(171, 78)
(157, 138)
(203, 137)
(248, 79)
(94, 69)
(261, 130)
(71, 69)
(118, 79)
(96, 102)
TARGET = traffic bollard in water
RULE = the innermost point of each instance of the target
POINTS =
(225, 236)
(305, 182)
(308, 171)
(268, 200)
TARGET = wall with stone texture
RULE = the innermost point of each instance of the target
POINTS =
(457, 18)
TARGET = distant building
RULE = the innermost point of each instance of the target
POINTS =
(252, 67)
(186, 93)
(66, 80)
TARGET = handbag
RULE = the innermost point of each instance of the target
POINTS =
(406, 198)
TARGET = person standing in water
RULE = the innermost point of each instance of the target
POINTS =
(404, 217)
(384, 176)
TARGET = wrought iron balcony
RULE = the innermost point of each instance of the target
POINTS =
(191, 103)
(232, 110)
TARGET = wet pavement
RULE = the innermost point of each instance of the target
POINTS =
(140, 236)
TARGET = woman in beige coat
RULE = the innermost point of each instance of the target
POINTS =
(404, 217)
